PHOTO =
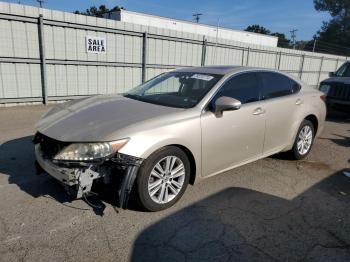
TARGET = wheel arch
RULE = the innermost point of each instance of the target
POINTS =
(314, 120)
(193, 166)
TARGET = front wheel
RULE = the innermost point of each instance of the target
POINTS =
(303, 141)
(163, 178)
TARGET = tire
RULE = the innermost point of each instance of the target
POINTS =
(152, 199)
(296, 152)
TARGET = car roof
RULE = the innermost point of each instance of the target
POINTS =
(228, 70)
(219, 70)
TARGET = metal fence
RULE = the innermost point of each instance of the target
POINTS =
(43, 55)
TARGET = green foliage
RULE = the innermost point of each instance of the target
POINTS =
(98, 12)
(258, 29)
(302, 45)
(334, 36)
(282, 40)
(334, 7)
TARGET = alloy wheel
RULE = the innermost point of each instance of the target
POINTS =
(304, 140)
(166, 179)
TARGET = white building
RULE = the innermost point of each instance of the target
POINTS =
(191, 27)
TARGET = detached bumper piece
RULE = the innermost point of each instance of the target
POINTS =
(78, 178)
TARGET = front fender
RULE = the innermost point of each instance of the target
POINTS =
(187, 135)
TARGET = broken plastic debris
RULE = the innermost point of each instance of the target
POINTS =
(346, 173)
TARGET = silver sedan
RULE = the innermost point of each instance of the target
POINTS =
(175, 129)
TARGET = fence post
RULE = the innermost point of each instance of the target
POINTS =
(242, 56)
(247, 63)
(279, 61)
(320, 71)
(144, 56)
(336, 64)
(301, 66)
(204, 51)
(276, 60)
(42, 59)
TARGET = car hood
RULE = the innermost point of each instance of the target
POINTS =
(96, 118)
(343, 80)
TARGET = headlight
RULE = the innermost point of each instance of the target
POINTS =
(325, 88)
(90, 151)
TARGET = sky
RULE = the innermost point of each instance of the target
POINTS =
(276, 15)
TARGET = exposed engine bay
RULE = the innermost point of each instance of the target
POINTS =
(78, 177)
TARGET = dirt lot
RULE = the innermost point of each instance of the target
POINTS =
(273, 209)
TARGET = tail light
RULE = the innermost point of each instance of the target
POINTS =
(323, 98)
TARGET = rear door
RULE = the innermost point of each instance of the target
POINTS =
(282, 102)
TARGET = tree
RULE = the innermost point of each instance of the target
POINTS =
(258, 29)
(98, 12)
(334, 36)
(302, 45)
(334, 7)
(283, 41)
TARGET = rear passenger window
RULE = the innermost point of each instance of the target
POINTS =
(295, 86)
(244, 87)
(276, 85)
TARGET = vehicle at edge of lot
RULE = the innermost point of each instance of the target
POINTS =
(337, 88)
(177, 128)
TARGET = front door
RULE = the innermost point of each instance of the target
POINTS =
(237, 136)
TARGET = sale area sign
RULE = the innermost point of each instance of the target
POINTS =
(96, 45)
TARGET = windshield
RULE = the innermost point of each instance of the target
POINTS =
(344, 70)
(175, 89)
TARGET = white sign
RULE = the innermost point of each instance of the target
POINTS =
(202, 77)
(96, 45)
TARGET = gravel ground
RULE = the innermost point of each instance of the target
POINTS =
(273, 209)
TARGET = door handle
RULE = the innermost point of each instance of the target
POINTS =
(258, 111)
(299, 101)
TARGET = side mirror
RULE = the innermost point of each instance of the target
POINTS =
(331, 74)
(225, 103)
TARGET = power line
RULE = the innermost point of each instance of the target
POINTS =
(326, 47)
(333, 45)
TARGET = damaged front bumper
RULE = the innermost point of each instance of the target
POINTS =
(79, 179)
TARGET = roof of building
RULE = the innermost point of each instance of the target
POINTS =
(192, 22)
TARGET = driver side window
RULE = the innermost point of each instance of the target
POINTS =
(244, 87)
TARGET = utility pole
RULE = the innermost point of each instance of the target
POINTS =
(313, 49)
(197, 17)
(293, 36)
(216, 43)
(40, 3)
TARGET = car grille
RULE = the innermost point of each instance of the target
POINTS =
(339, 91)
(49, 146)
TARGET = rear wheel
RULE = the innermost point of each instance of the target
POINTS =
(304, 140)
(163, 178)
